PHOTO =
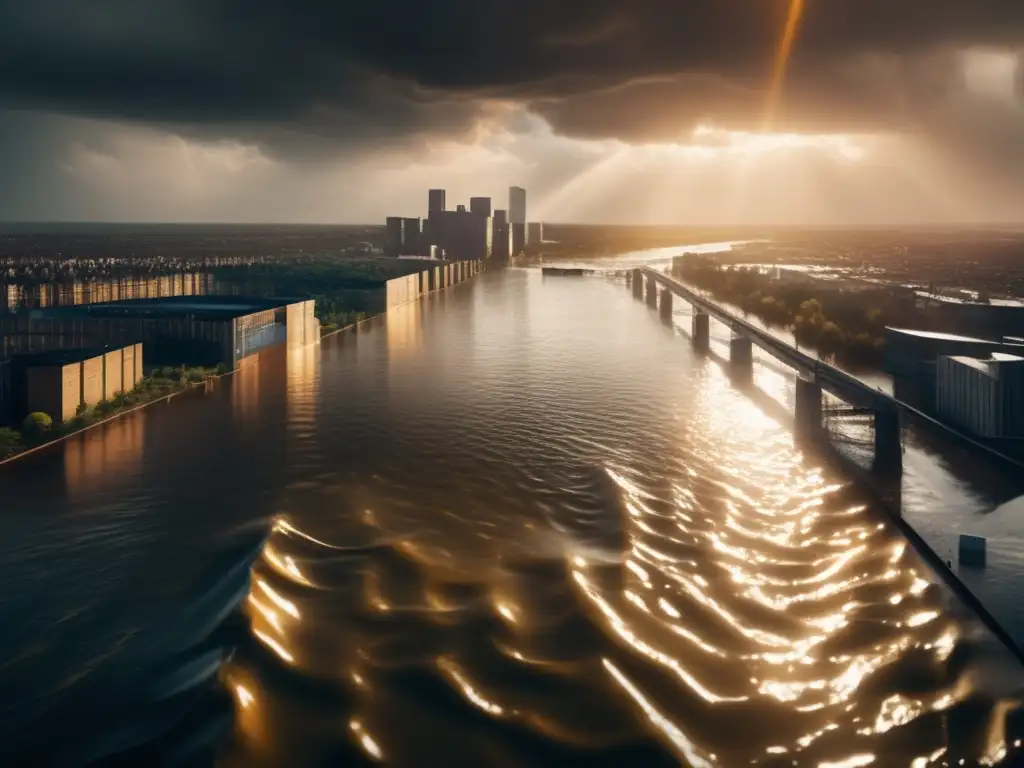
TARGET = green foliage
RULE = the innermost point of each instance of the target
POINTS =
(10, 442)
(36, 426)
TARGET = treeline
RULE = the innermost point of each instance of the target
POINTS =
(849, 325)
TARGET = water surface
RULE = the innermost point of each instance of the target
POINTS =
(518, 523)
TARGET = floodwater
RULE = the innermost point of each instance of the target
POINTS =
(519, 523)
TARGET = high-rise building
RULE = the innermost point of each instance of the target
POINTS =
(432, 227)
(501, 243)
(480, 205)
(465, 235)
(517, 205)
(393, 238)
(535, 233)
(410, 237)
(518, 238)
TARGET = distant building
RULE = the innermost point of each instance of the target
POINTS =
(997, 318)
(518, 237)
(984, 395)
(393, 237)
(501, 236)
(480, 206)
(465, 235)
(534, 233)
(410, 237)
(517, 206)
(435, 201)
(436, 206)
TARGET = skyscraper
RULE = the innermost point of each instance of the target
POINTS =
(501, 237)
(393, 243)
(436, 201)
(517, 205)
(535, 233)
(480, 205)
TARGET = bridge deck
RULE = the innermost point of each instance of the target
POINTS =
(831, 379)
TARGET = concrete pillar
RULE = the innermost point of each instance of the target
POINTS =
(638, 284)
(700, 328)
(652, 291)
(808, 425)
(665, 307)
(741, 357)
(888, 442)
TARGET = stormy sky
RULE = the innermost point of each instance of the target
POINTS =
(633, 111)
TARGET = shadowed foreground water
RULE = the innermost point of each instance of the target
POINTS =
(516, 524)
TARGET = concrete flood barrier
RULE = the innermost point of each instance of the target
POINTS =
(409, 288)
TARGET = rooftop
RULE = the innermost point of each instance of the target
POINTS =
(940, 336)
(55, 357)
(202, 307)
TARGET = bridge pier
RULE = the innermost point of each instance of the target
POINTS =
(700, 330)
(808, 424)
(652, 291)
(665, 308)
(638, 284)
(888, 443)
(741, 357)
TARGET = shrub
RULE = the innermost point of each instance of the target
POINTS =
(36, 425)
(10, 442)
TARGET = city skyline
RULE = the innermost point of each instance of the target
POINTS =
(730, 113)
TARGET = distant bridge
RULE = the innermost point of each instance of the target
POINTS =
(814, 377)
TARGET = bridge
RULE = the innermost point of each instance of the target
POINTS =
(814, 377)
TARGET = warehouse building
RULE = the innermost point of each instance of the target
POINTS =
(58, 382)
(189, 330)
(984, 395)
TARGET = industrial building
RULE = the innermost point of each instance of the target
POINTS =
(984, 395)
(190, 330)
(58, 382)
(995, 318)
(914, 354)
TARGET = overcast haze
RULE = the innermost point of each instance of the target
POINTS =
(646, 111)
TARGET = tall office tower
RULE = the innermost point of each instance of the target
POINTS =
(435, 200)
(516, 205)
(466, 235)
(393, 239)
(435, 207)
(480, 205)
(501, 243)
(535, 233)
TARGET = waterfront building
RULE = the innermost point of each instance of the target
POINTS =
(534, 233)
(191, 330)
(984, 395)
(58, 382)
(517, 206)
(480, 206)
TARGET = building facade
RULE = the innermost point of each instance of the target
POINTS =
(480, 206)
(534, 233)
(983, 395)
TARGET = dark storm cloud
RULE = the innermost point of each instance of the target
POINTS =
(281, 70)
